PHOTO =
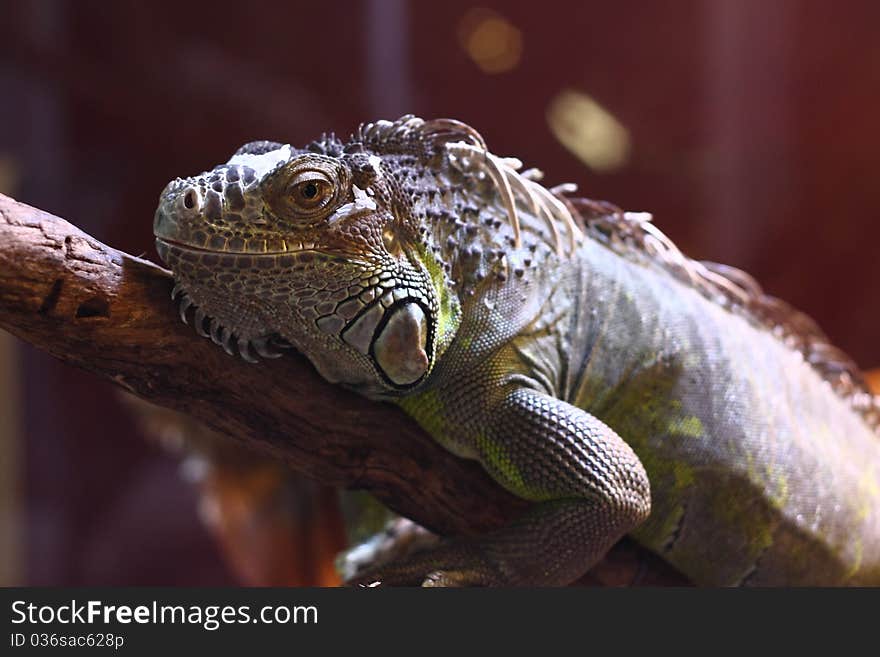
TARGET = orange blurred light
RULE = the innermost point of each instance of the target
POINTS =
(490, 40)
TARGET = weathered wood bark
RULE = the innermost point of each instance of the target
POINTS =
(111, 313)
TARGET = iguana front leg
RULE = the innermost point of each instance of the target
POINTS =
(590, 487)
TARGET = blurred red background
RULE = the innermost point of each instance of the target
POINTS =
(749, 129)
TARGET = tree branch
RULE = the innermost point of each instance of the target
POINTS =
(111, 313)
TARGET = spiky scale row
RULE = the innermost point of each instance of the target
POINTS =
(221, 335)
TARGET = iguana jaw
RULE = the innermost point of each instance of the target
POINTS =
(292, 247)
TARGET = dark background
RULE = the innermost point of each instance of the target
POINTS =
(754, 129)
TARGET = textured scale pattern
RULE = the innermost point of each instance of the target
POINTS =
(568, 346)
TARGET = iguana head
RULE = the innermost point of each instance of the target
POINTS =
(314, 247)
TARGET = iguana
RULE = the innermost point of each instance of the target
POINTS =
(568, 346)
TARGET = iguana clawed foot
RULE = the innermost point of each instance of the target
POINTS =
(449, 564)
(406, 554)
(399, 539)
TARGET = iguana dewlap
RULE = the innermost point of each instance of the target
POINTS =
(568, 346)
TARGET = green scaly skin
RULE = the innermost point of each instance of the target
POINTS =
(594, 382)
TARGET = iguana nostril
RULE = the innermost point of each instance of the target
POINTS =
(189, 200)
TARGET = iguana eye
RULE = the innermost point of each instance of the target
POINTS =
(310, 191)
(307, 188)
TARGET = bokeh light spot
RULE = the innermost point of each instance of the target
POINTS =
(490, 40)
(588, 130)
